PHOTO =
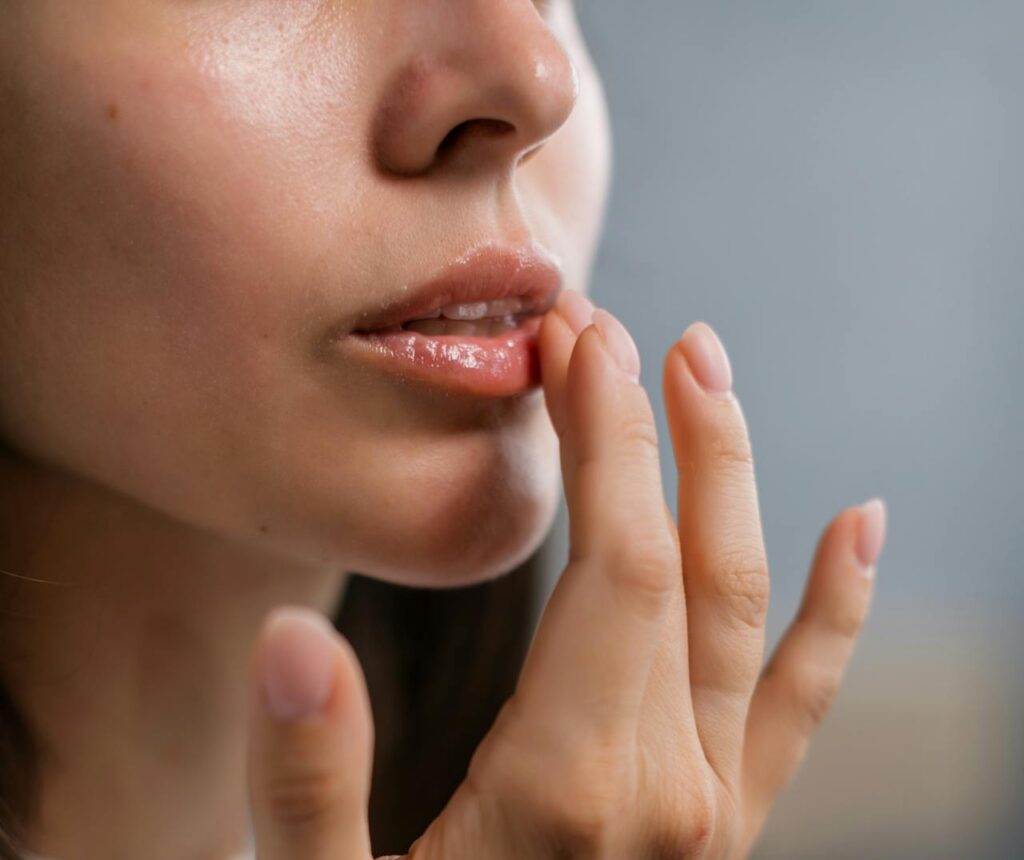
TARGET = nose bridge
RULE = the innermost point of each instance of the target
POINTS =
(476, 82)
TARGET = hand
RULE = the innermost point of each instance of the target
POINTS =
(643, 724)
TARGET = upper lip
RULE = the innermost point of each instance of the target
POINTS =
(484, 274)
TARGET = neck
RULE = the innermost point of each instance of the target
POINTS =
(124, 641)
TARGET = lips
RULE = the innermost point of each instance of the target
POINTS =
(498, 360)
(488, 274)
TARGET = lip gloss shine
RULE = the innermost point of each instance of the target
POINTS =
(502, 365)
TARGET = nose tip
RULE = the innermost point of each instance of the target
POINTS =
(487, 98)
(558, 86)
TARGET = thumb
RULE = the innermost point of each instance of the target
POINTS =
(310, 753)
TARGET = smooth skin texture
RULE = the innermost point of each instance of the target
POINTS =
(643, 723)
(194, 194)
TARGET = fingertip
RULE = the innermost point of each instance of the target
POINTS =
(674, 369)
(574, 309)
(871, 532)
(311, 736)
(618, 343)
(554, 334)
(303, 668)
(707, 359)
(555, 343)
(297, 662)
(586, 341)
(589, 375)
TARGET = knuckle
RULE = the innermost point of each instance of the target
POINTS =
(645, 566)
(670, 843)
(585, 802)
(682, 841)
(638, 431)
(572, 787)
(299, 800)
(847, 620)
(730, 448)
(700, 824)
(581, 825)
(741, 579)
(813, 695)
(685, 831)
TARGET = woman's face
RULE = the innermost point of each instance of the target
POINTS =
(194, 195)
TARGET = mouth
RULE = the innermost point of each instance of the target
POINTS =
(490, 288)
(472, 329)
(468, 319)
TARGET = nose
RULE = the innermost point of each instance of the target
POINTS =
(480, 85)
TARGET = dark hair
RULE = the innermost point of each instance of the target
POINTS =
(439, 665)
(18, 788)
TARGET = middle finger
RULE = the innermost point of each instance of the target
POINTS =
(725, 569)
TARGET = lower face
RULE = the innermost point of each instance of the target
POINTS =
(190, 213)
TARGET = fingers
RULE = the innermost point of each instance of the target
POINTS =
(800, 682)
(310, 741)
(558, 330)
(589, 660)
(725, 569)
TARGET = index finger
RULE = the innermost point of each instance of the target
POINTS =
(599, 632)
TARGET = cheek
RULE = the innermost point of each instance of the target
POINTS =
(174, 270)
(163, 260)
(571, 175)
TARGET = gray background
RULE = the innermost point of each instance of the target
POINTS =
(836, 188)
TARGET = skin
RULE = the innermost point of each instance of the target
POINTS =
(643, 723)
(192, 196)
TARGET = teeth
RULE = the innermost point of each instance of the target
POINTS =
(466, 328)
(481, 310)
(501, 313)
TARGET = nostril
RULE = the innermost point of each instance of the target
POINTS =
(484, 126)
(449, 140)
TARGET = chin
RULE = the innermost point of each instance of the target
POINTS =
(425, 509)
(472, 530)
(467, 550)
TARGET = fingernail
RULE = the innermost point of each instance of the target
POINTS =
(298, 662)
(708, 359)
(871, 534)
(618, 342)
(575, 308)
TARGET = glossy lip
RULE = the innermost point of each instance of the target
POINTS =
(501, 365)
(485, 274)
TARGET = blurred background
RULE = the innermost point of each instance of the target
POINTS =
(837, 187)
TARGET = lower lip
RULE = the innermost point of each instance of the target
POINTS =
(499, 366)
